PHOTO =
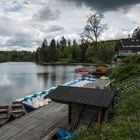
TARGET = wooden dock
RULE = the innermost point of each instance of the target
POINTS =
(99, 83)
(37, 124)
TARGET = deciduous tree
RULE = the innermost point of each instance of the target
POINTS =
(94, 28)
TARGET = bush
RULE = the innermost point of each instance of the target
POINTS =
(132, 59)
(123, 72)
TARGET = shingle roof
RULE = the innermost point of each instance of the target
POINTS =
(128, 44)
(131, 41)
(87, 96)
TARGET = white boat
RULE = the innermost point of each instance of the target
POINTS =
(37, 100)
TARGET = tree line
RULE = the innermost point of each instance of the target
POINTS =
(72, 52)
(64, 51)
(17, 56)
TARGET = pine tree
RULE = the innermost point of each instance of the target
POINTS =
(63, 43)
(54, 52)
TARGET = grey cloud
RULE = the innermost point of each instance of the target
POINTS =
(20, 39)
(15, 34)
(55, 28)
(5, 26)
(106, 5)
(8, 27)
(47, 13)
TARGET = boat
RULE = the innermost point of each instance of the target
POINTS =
(4, 114)
(36, 100)
(101, 68)
(82, 70)
(17, 109)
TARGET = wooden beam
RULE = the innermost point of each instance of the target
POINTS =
(69, 114)
(100, 116)
(94, 115)
(76, 117)
(81, 112)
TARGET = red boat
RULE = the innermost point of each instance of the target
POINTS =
(81, 70)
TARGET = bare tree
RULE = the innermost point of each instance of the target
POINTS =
(94, 28)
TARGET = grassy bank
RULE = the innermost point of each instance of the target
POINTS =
(124, 123)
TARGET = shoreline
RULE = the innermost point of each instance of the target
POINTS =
(51, 63)
(54, 63)
(60, 63)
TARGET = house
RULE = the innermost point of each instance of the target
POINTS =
(86, 106)
(129, 46)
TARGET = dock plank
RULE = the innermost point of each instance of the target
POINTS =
(37, 124)
(98, 83)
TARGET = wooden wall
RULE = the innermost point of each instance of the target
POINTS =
(83, 115)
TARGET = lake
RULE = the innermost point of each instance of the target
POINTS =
(18, 79)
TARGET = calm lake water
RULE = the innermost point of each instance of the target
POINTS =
(23, 78)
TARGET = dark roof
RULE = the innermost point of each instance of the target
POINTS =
(130, 41)
(87, 96)
(128, 44)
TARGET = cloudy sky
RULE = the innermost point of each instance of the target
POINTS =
(25, 23)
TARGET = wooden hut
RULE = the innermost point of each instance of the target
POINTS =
(86, 106)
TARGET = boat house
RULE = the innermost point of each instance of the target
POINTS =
(86, 106)
(129, 46)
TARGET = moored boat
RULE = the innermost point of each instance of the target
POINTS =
(4, 114)
(36, 100)
(82, 70)
(17, 109)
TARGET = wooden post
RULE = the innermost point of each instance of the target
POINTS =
(69, 114)
(100, 116)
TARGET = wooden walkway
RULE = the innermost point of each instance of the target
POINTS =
(37, 124)
(98, 83)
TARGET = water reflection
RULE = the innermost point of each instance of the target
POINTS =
(4, 81)
(43, 77)
(20, 79)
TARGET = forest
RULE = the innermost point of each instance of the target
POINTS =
(66, 51)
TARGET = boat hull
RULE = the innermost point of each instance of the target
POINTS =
(17, 110)
(4, 114)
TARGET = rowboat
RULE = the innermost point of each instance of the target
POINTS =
(4, 114)
(17, 109)
(82, 70)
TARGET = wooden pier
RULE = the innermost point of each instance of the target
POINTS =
(37, 124)
(99, 84)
